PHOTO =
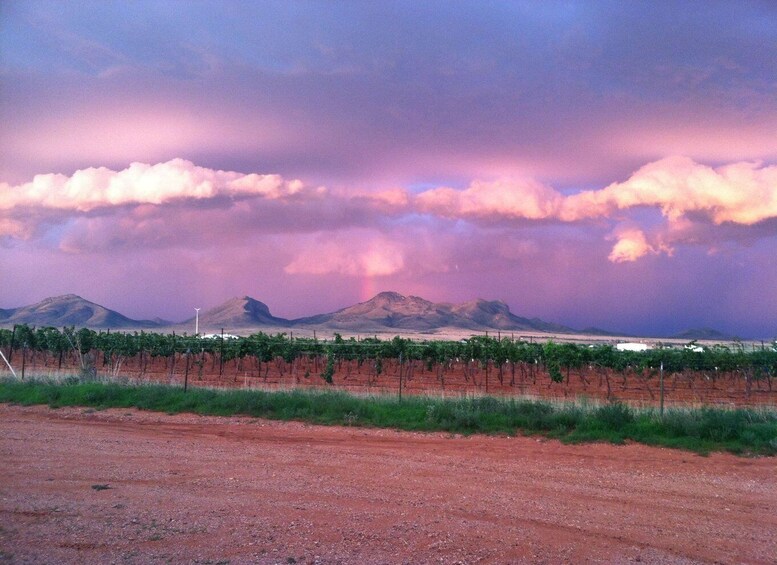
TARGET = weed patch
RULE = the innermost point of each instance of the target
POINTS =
(742, 431)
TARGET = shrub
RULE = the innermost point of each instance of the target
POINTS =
(614, 416)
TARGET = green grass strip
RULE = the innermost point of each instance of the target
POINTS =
(744, 431)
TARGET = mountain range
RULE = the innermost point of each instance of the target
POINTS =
(387, 311)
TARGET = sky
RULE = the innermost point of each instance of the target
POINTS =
(609, 164)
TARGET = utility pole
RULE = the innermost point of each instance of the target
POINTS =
(196, 321)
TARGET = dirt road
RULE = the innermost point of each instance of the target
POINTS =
(216, 490)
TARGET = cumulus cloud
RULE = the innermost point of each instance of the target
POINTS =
(742, 193)
(525, 199)
(373, 258)
(687, 195)
(140, 183)
(161, 204)
(394, 198)
(631, 245)
(180, 203)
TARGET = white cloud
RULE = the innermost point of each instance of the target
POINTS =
(742, 193)
(631, 245)
(178, 179)
(525, 199)
(155, 205)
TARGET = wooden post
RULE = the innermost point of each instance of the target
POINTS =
(24, 358)
(221, 355)
(186, 371)
(2, 356)
(400, 377)
(10, 348)
(172, 360)
(662, 389)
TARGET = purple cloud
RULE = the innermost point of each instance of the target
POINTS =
(504, 150)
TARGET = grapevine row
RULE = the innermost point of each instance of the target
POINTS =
(558, 359)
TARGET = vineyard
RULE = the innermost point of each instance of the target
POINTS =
(478, 365)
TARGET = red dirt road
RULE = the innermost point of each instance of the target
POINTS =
(206, 490)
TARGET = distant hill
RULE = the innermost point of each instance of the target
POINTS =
(386, 311)
(242, 312)
(70, 310)
(601, 332)
(495, 314)
(703, 333)
(391, 310)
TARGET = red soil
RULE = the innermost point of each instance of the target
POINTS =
(215, 490)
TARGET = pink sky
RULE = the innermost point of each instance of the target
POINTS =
(610, 165)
